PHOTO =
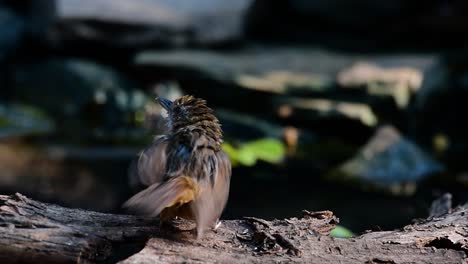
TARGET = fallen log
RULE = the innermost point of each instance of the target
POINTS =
(35, 232)
(32, 231)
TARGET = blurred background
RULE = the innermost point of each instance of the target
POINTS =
(358, 107)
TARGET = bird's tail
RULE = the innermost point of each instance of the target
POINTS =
(174, 192)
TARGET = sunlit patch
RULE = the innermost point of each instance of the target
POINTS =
(285, 111)
(100, 97)
(352, 110)
(291, 137)
(281, 81)
(139, 116)
(440, 142)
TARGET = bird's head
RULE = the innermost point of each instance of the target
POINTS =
(188, 111)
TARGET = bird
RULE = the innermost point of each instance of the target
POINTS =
(185, 171)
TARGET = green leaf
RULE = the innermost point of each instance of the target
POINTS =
(269, 150)
(341, 232)
(247, 157)
(232, 153)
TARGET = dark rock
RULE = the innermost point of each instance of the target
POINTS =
(389, 160)
(88, 101)
(21, 120)
(276, 82)
(254, 75)
(285, 70)
(116, 23)
(436, 81)
(358, 12)
(439, 107)
(25, 20)
(12, 29)
(38, 15)
(261, 68)
(361, 25)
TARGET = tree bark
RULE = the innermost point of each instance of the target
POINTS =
(32, 232)
(35, 232)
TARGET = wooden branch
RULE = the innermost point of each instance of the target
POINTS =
(306, 240)
(31, 231)
(35, 232)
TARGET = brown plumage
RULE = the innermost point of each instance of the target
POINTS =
(186, 171)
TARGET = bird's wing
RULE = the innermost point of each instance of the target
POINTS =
(173, 192)
(151, 165)
(213, 196)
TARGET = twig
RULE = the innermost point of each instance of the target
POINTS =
(258, 220)
(287, 244)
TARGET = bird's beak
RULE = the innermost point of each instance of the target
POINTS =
(165, 103)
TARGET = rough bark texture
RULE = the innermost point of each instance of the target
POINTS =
(31, 231)
(306, 240)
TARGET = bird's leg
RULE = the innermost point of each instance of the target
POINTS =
(216, 225)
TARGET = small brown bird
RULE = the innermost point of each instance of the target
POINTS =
(186, 171)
